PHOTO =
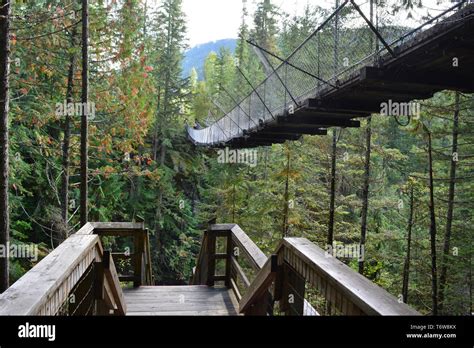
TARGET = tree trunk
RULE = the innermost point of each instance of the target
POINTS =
(233, 202)
(160, 129)
(84, 119)
(286, 195)
(160, 255)
(406, 266)
(157, 127)
(365, 193)
(332, 203)
(4, 165)
(434, 272)
(67, 136)
(450, 213)
(334, 138)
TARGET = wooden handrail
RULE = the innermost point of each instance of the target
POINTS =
(300, 263)
(112, 285)
(259, 287)
(241, 240)
(47, 287)
(141, 258)
(200, 271)
(346, 290)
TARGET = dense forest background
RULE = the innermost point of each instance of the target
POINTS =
(142, 166)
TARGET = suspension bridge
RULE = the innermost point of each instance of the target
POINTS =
(345, 70)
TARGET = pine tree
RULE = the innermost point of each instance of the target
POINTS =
(169, 32)
(4, 141)
(266, 25)
(84, 117)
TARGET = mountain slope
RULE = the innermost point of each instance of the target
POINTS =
(197, 55)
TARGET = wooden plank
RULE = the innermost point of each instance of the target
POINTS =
(117, 226)
(370, 298)
(235, 288)
(122, 256)
(180, 300)
(127, 278)
(221, 227)
(180, 308)
(138, 259)
(112, 281)
(228, 261)
(256, 257)
(81, 299)
(211, 261)
(295, 288)
(190, 297)
(240, 272)
(87, 229)
(99, 280)
(109, 305)
(259, 287)
(51, 280)
(172, 288)
(189, 313)
(149, 269)
(200, 273)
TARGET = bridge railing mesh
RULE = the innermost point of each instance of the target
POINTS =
(338, 48)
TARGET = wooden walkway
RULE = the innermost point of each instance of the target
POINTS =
(180, 301)
(292, 276)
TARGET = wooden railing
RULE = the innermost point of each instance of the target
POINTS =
(297, 267)
(79, 277)
(139, 255)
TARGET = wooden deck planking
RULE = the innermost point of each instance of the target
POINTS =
(180, 301)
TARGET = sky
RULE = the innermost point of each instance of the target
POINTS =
(212, 20)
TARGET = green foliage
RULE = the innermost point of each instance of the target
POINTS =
(142, 165)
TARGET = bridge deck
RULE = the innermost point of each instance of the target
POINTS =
(180, 301)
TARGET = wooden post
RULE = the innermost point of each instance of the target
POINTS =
(228, 261)
(279, 280)
(259, 308)
(211, 260)
(292, 302)
(138, 259)
(99, 290)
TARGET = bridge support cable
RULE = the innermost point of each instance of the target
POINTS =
(267, 62)
(286, 61)
(256, 92)
(372, 27)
